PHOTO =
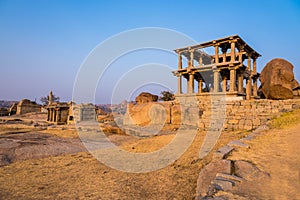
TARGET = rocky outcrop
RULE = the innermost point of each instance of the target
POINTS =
(146, 97)
(148, 113)
(277, 80)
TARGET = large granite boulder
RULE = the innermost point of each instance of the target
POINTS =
(146, 97)
(277, 80)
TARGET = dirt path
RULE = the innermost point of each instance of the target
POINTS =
(276, 152)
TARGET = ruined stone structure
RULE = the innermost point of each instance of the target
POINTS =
(69, 113)
(233, 62)
(84, 112)
(234, 115)
(59, 112)
(12, 109)
(226, 98)
(4, 112)
(27, 106)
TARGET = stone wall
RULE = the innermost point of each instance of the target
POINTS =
(83, 112)
(246, 114)
(210, 113)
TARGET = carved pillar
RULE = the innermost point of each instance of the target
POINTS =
(249, 63)
(216, 54)
(254, 66)
(179, 61)
(240, 82)
(51, 114)
(248, 88)
(200, 85)
(224, 84)
(179, 86)
(200, 60)
(241, 56)
(48, 115)
(192, 58)
(191, 83)
(232, 80)
(216, 81)
(57, 115)
(54, 115)
(255, 87)
(224, 50)
(232, 51)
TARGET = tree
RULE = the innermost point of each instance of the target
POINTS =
(45, 100)
(167, 96)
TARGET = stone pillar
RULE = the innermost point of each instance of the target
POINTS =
(200, 85)
(249, 63)
(200, 61)
(191, 83)
(54, 116)
(179, 61)
(48, 115)
(240, 56)
(240, 82)
(254, 66)
(224, 84)
(51, 116)
(232, 80)
(216, 54)
(232, 51)
(248, 88)
(57, 116)
(224, 50)
(216, 81)
(192, 58)
(255, 87)
(179, 86)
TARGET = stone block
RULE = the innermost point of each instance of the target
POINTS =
(238, 143)
(223, 152)
(208, 174)
(222, 185)
(233, 121)
(244, 169)
(256, 122)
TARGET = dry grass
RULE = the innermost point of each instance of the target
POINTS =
(287, 119)
(277, 153)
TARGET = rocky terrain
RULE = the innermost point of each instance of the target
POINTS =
(51, 163)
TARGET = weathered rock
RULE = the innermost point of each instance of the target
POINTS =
(223, 152)
(148, 113)
(245, 169)
(223, 185)
(277, 80)
(238, 143)
(208, 174)
(146, 97)
(228, 177)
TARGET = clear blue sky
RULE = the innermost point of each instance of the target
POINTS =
(44, 42)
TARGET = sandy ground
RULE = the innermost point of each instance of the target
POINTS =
(277, 153)
(81, 176)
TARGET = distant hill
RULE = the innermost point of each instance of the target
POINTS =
(6, 104)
